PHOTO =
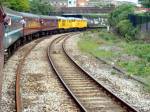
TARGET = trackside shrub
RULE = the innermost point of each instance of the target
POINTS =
(126, 29)
(118, 19)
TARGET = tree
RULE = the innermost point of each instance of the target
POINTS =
(24, 5)
(4, 2)
(119, 20)
(38, 7)
(120, 13)
(18, 5)
(126, 29)
(145, 3)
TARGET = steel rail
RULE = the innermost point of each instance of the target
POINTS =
(123, 103)
(109, 93)
(61, 79)
(18, 73)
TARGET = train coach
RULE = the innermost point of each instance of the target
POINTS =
(23, 27)
(31, 25)
(49, 24)
(13, 30)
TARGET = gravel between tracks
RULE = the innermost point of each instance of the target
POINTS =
(128, 89)
(40, 87)
(8, 87)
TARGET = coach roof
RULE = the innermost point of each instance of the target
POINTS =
(29, 15)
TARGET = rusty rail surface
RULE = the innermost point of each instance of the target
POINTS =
(18, 73)
(123, 104)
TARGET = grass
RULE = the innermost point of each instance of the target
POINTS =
(140, 67)
(93, 40)
(91, 45)
(142, 50)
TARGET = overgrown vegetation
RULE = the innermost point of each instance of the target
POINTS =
(118, 19)
(91, 45)
(18, 5)
(32, 6)
(141, 66)
(133, 56)
(145, 3)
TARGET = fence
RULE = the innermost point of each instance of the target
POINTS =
(143, 21)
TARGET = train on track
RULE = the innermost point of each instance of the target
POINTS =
(19, 28)
(23, 27)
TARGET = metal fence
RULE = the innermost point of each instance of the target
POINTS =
(143, 21)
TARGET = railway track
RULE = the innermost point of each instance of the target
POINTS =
(24, 85)
(18, 73)
(88, 93)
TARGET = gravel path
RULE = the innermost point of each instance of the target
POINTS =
(41, 90)
(8, 88)
(128, 89)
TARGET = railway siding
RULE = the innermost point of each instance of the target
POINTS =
(129, 90)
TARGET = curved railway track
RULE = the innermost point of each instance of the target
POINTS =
(19, 100)
(88, 93)
(18, 73)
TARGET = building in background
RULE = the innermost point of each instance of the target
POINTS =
(86, 3)
(77, 3)
(82, 3)
(57, 3)
(98, 3)
(72, 3)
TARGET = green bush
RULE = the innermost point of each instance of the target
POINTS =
(126, 29)
(145, 3)
(120, 13)
(123, 27)
(136, 68)
(119, 20)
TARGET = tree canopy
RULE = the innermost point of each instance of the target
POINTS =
(18, 5)
(32, 6)
(38, 7)
(145, 3)
(118, 19)
(120, 13)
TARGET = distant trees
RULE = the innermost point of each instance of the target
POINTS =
(145, 3)
(120, 13)
(39, 7)
(118, 19)
(18, 5)
(33, 6)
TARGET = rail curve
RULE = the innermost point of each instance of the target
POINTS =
(88, 93)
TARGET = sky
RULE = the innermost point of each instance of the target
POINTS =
(135, 1)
